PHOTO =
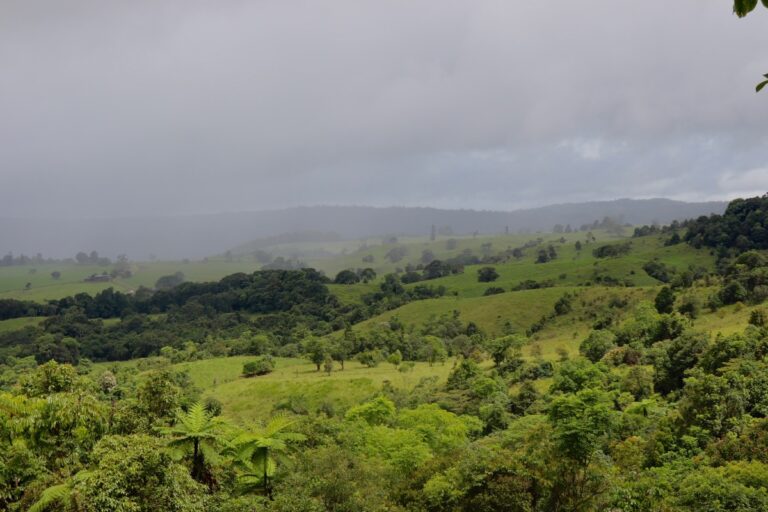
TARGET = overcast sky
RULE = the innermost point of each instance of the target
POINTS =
(139, 107)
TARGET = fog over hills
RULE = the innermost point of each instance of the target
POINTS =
(197, 236)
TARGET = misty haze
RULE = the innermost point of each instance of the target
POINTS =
(341, 256)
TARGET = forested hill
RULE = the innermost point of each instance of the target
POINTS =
(203, 235)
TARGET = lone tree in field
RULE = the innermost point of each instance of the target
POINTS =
(487, 275)
(316, 350)
(260, 366)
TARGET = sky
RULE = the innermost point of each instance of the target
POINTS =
(168, 107)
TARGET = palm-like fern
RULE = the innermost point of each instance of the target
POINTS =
(60, 493)
(202, 432)
(256, 451)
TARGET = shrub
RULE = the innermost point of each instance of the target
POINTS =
(612, 250)
(758, 317)
(347, 277)
(493, 290)
(213, 406)
(597, 344)
(370, 358)
(659, 271)
(260, 366)
(487, 275)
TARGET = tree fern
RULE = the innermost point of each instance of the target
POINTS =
(255, 451)
(198, 431)
(60, 493)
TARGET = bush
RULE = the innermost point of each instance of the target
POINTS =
(260, 366)
(563, 305)
(665, 300)
(597, 344)
(410, 277)
(347, 277)
(487, 275)
(212, 406)
(370, 358)
(612, 250)
(659, 271)
(493, 290)
(758, 317)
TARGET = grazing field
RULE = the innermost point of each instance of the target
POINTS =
(571, 267)
(294, 383)
(19, 323)
(490, 313)
(43, 286)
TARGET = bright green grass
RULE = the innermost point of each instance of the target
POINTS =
(352, 293)
(248, 399)
(521, 309)
(19, 323)
(574, 268)
(726, 320)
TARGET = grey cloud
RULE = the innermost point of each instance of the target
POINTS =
(124, 108)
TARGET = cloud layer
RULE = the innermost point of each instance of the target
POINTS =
(114, 108)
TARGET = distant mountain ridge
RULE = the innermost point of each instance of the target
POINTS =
(197, 236)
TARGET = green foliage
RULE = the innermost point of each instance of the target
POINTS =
(50, 378)
(260, 366)
(737, 487)
(539, 429)
(395, 358)
(487, 275)
(134, 474)
(580, 421)
(370, 358)
(199, 432)
(462, 375)
(576, 375)
(159, 395)
(378, 411)
(597, 344)
(346, 277)
(743, 7)
(638, 382)
(443, 431)
(256, 452)
(673, 358)
(612, 250)
(506, 347)
(665, 300)
(404, 450)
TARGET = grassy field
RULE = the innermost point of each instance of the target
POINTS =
(574, 268)
(13, 280)
(521, 309)
(294, 381)
(571, 268)
(19, 323)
